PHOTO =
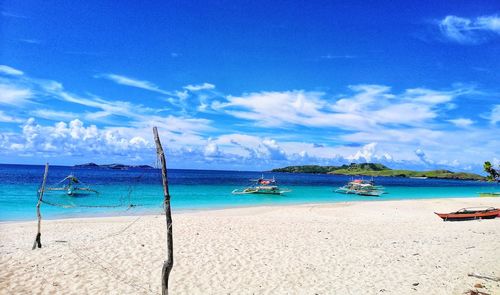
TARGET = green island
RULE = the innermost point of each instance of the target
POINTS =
(374, 169)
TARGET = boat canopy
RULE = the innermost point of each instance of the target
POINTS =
(71, 178)
(265, 181)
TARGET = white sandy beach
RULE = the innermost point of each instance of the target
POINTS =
(390, 247)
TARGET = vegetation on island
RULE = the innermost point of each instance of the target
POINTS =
(113, 166)
(493, 174)
(374, 169)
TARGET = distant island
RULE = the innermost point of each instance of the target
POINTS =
(113, 166)
(374, 169)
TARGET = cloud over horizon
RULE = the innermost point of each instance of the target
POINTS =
(369, 123)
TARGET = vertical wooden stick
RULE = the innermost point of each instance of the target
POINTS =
(38, 241)
(169, 263)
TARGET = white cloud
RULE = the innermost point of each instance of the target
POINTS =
(274, 151)
(388, 126)
(461, 122)
(211, 149)
(404, 113)
(54, 115)
(93, 108)
(494, 116)
(9, 119)
(136, 119)
(345, 56)
(275, 108)
(365, 154)
(123, 80)
(423, 157)
(365, 96)
(369, 107)
(193, 98)
(13, 95)
(469, 30)
(270, 151)
(177, 131)
(431, 97)
(252, 147)
(368, 153)
(108, 108)
(138, 141)
(173, 123)
(413, 136)
(73, 138)
(10, 71)
(105, 108)
(204, 86)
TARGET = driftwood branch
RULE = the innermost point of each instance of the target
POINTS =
(479, 276)
(169, 262)
(38, 241)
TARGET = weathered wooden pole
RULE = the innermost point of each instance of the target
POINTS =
(38, 241)
(169, 262)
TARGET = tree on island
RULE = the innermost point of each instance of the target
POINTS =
(493, 174)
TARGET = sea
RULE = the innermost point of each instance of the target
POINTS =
(139, 191)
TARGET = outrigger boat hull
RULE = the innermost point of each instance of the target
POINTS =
(465, 214)
(372, 193)
(259, 191)
(73, 191)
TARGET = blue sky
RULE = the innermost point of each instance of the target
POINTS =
(251, 84)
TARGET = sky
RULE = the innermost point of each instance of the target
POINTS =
(251, 85)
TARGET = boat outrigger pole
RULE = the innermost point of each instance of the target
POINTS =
(72, 187)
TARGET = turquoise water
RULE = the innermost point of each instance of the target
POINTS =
(194, 190)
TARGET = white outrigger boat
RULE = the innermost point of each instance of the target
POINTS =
(262, 186)
(362, 187)
(72, 186)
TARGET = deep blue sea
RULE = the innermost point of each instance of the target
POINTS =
(193, 190)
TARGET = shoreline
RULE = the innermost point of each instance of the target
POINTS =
(151, 211)
(399, 246)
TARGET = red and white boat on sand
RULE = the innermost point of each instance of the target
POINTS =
(470, 214)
